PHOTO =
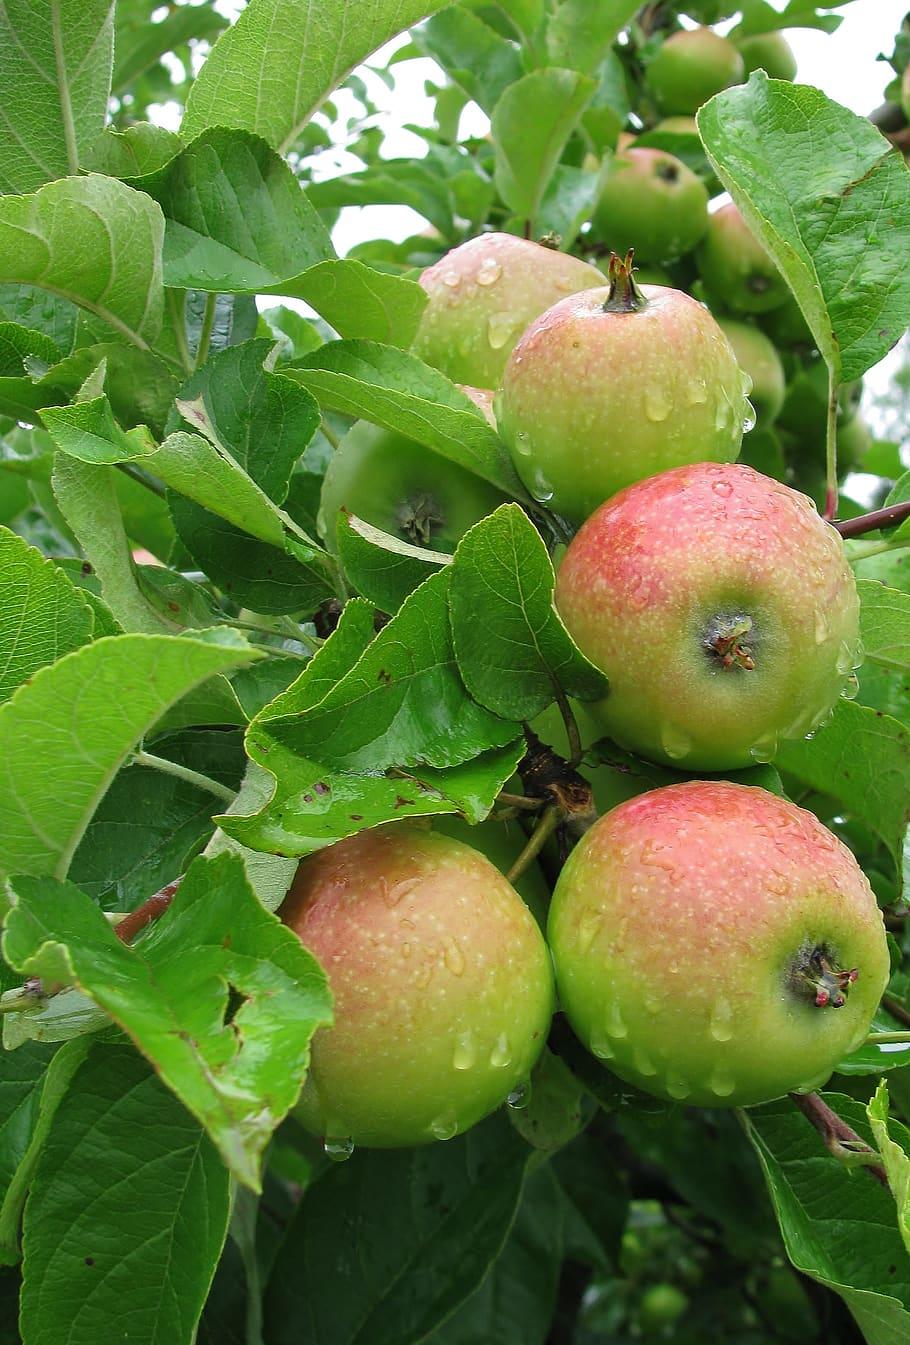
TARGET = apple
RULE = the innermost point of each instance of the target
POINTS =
(736, 268)
(653, 203)
(716, 945)
(691, 67)
(758, 358)
(613, 385)
(482, 295)
(403, 488)
(722, 609)
(770, 52)
(441, 980)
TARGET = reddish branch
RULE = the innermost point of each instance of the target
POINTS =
(150, 910)
(839, 1139)
(879, 518)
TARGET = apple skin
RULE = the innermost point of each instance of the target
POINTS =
(691, 67)
(592, 401)
(442, 981)
(757, 356)
(679, 926)
(657, 584)
(770, 52)
(651, 202)
(483, 294)
(736, 268)
(403, 488)
(501, 843)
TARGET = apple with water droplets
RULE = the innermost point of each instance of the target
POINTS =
(442, 985)
(482, 295)
(722, 609)
(716, 945)
(757, 356)
(690, 67)
(616, 384)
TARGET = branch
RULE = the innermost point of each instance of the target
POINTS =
(896, 1009)
(840, 1141)
(879, 518)
(151, 909)
(546, 825)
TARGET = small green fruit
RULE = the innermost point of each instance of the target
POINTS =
(483, 294)
(661, 1305)
(757, 358)
(770, 52)
(653, 203)
(441, 980)
(736, 268)
(722, 609)
(716, 945)
(614, 385)
(691, 67)
(403, 488)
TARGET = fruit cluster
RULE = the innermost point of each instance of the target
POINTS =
(698, 921)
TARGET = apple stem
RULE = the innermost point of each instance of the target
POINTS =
(546, 825)
(624, 296)
(571, 725)
(878, 518)
(220, 791)
(884, 1038)
(840, 1141)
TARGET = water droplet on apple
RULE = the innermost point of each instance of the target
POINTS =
(601, 1046)
(845, 662)
(523, 444)
(675, 741)
(444, 1127)
(677, 1086)
(850, 689)
(489, 271)
(721, 1023)
(520, 1096)
(588, 928)
(501, 1054)
(541, 488)
(748, 416)
(722, 488)
(465, 1052)
(721, 1082)
(616, 1025)
(338, 1149)
(643, 1063)
(454, 957)
(452, 279)
(696, 392)
(658, 404)
(822, 626)
(765, 749)
(499, 328)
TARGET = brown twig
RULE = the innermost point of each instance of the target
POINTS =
(150, 910)
(896, 1009)
(838, 1138)
(878, 518)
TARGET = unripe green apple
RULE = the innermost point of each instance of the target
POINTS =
(613, 385)
(735, 267)
(905, 92)
(758, 358)
(677, 126)
(661, 1305)
(442, 986)
(786, 325)
(403, 488)
(653, 203)
(482, 295)
(770, 52)
(691, 67)
(717, 945)
(722, 609)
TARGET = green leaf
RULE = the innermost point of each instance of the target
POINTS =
(885, 625)
(122, 1154)
(401, 704)
(42, 615)
(896, 1161)
(66, 1016)
(87, 430)
(392, 182)
(78, 720)
(88, 499)
(830, 200)
(531, 123)
(137, 150)
(579, 34)
(150, 824)
(271, 70)
(558, 1109)
(429, 1222)
(361, 302)
(56, 62)
(171, 993)
(860, 757)
(569, 201)
(94, 241)
(269, 876)
(513, 650)
(141, 44)
(399, 392)
(382, 568)
(472, 54)
(838, 1226)
(264, 419)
